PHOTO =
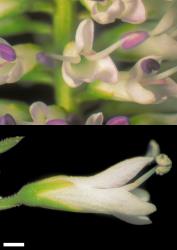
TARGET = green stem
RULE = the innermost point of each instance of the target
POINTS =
(9, 202)
(63, 23)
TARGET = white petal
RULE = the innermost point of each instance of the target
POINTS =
(95, 119)
(135, 220)
(167, 21)
(70, 50)
(106, 71)
(110, 15)
(106, 201)
(153, 149)
(89, 71)
(132, 205)
(120, 173)
(69, 76)
(141, 194)
(135, 11)
(165, 89)
(85, 36)
(16, 72)
(170, 87)
(139, 94)
(39, 112)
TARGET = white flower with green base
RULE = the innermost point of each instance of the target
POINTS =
(111, 192)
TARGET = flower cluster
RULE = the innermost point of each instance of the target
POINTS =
(41, 114)
(147, 47)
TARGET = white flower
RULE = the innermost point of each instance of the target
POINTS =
(143, 84)
(111, 192)
(42, 114)
(163, 38)
(98, 119)
(114, 191)
(82, 64)
(107, 11)
(84, 70)
(15, 61)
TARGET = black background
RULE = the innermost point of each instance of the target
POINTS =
(84, 150)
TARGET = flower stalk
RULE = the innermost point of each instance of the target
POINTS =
(62, 31)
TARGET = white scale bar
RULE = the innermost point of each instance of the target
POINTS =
(13, 244)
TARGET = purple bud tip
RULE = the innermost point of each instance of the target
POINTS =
(133, 39)
(118, 120)
(150, 65)
(7, 120)
(57, 122)
(7, 52)
(45, 59)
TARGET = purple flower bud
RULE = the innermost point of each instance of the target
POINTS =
(57, 122)
(45, 59)
(133, 39)
(7, 52)
(150, 65)
(7, 120)
(118, 120)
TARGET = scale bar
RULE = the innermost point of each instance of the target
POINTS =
(17, 244)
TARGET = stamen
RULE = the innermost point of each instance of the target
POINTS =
(166, 74)
(47, 57)
(164, 164)
(133, 39)
(150, 65)
(104, 53)
(7, 52)
(140, 180)
(129, 41)
(70, 59)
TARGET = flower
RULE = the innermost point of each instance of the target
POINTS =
(82, 64)
(42, 114)
(98, 119)
(15, 61)
(162, 39)
(143, 84)
(114, 191)
(107, 11)
(94, 119)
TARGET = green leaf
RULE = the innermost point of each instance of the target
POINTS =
(12, 7)
(8, 143)
(20, 25)
(154, 119)
(38, 75)
(42, 6)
